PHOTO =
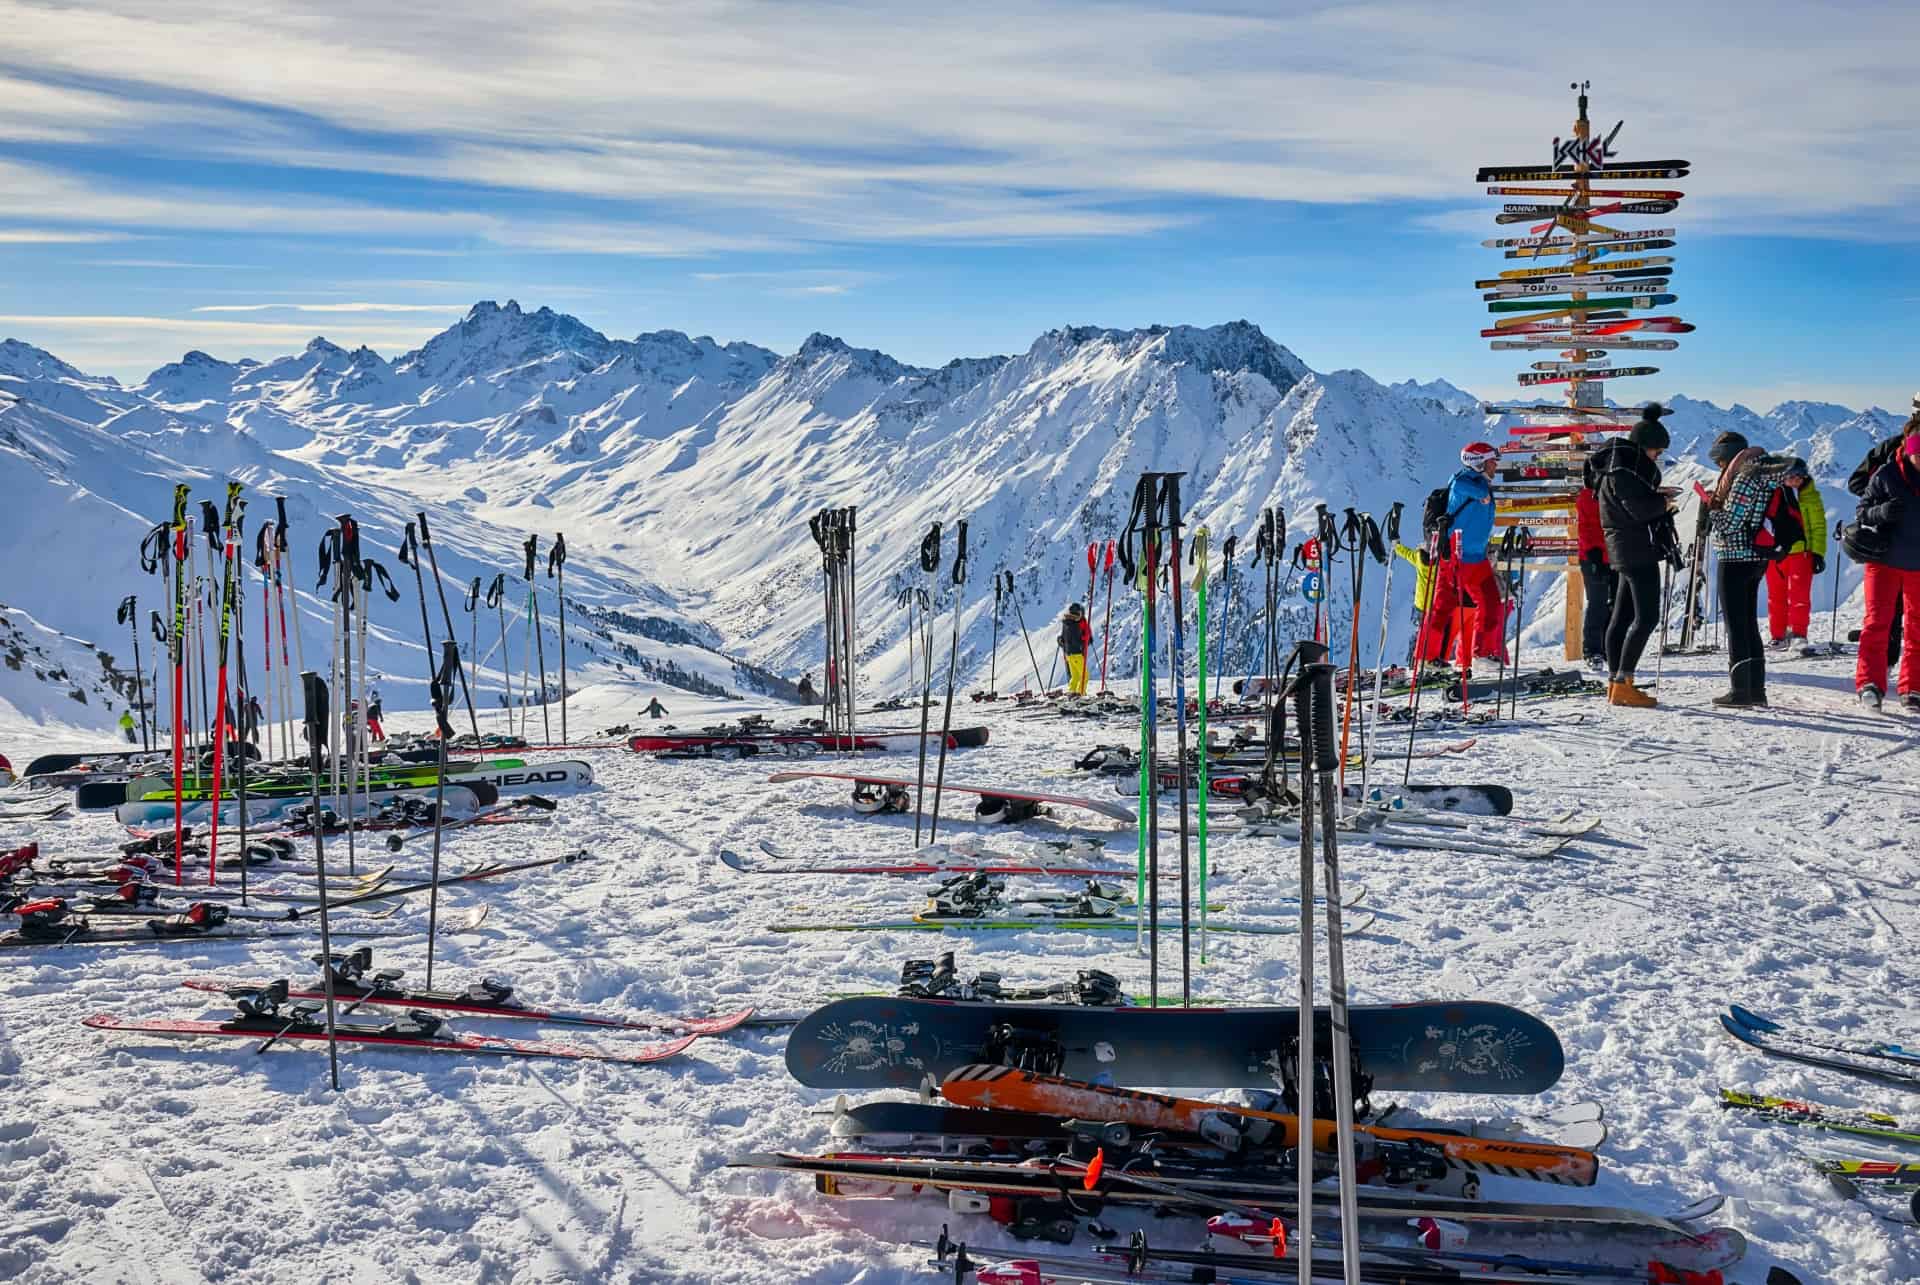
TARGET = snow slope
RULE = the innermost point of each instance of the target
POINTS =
(1785, 881)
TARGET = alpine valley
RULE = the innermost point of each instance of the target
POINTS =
(682, 472)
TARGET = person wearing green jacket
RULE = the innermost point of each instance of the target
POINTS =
(1790, 579)
(126, 726)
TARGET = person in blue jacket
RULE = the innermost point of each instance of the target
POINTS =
(1464, 567)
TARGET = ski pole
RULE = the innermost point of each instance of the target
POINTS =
(557, 571)
(1201, 538)
(440, 692)
(317, 723)
(993, 661)
(816, 526)
(1093, 574)
(175, 653)
(1839, 547)
(1306, 1078)
(1021, 616)
(408, 555)
(234, 508)
(1371, 723)
(281, 594)
(128, 614)
(1523, 549)
(472, 608)
(1136, 563)
(263, 562)
(446, 617)
(929, 563)
(1227, 546)
(539, 638)
(1362, 538)
(1170, 499)
(497, 599)
(1420, 647)
(1106, 628)
(953, 659)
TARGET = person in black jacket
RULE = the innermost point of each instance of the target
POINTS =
(1884, 453)
(1626, 483)
(1892, 503)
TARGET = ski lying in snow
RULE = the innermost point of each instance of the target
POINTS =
(486, 998)
(1581, 1125)
(924, 862)
(1012, 1089)
(1437, 1046)
(1108, 923)
(744, 744)
(154, 789)
(1864, 1124)
(1860, 1057)
(307, 1023)
(1047, 1177)
(1405, 830)
(163, 935)
(465, 797)
(890, 794)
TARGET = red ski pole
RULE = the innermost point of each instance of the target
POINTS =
(1106, 629)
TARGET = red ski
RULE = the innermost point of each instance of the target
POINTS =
(415, 1034)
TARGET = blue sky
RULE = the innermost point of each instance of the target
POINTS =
(938, 182)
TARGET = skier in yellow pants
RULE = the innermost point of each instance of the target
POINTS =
(1076, 639)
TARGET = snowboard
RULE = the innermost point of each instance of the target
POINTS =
(1438, 1046)
(988, 795)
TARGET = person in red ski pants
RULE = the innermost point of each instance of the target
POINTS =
(1892, 506)
(1481, 631)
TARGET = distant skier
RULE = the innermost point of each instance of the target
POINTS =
(1598, 579)
(1076, 635)
(126, 725)
(1790, 579)
(807, 695)
(1881, 453)
(655, 709)
(375, 732)
(250, 716)
(1625, 480)
(1892, 504)
(1464, 532)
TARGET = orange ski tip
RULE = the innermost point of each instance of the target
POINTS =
(1278, 1231)
(1095, 1167)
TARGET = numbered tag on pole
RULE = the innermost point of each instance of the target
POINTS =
(1313, 586)
(1310, 553)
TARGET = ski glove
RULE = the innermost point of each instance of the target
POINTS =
(1819, 564)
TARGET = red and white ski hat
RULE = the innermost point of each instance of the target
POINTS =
(1475, 454)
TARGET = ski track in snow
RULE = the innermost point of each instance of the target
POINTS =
(1788, 883)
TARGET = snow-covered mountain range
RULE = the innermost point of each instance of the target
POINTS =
(683, 471)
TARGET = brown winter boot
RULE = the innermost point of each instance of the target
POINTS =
(1622, 692)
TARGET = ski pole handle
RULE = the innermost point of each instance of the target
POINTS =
(473, 595)
(409, 551)
(531, 549)
(426, 536)
(557, 556)
(930, 549)
(315, 689)
(959, 558)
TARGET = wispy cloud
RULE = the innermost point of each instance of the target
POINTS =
(55, 236)
(333, 307)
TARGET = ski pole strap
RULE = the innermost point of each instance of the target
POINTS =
(532, 550)
(127, 610)
(930, 549)
(314, 688)
(261, 547)
(815, 526)
(1393, 522)
(1329, 534)
(441, 689)
(153, 549)
(959, 558)
(409, 550)
(329, 555)
(159, 627)
(280, 523)
(556, 556)
(350, 542)
(369, 571)
(497, 591)
(210, 523)
(473, 595)
(1375, 545)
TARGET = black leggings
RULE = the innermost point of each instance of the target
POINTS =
(1740, 602)
(1636, 610)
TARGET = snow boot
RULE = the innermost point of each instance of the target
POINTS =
(1736, 700)
(1912, 702)
(1622, 692)
(1870, 697)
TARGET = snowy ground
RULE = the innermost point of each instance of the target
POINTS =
(1762, 856)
